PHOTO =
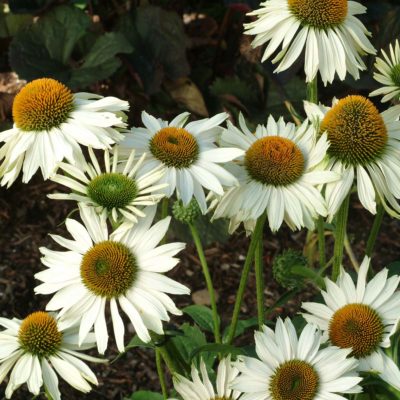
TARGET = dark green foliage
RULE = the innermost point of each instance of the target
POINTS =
(49, 48)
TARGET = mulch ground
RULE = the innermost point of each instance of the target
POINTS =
(27, 216)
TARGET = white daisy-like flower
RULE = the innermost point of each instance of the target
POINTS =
(277, 175)
(188, 153)
(201, 388)
(118, 190)
(123, 268)
(50, 122)
(295, 368)
(363, 144)
(361, 317)
(388, 74)
(38, 347)
(334, 39)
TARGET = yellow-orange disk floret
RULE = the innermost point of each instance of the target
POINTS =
(321, 14)
(356, 326)
(294, 380)
(356, 131)
(39, 334)
(175, 147)
(41, 105)
(274, 160)
(108, 269)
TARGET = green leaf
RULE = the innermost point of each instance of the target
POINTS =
(159, 39)
(56, 46)
(146, 395)
(394, 268)
(101, 62)
(242, 326)
(11, 24)
(202, 315)
(136, 342)
(216, 348)
(182, 347)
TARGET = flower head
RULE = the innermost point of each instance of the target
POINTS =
(277, 175)
(361, 317)
(295, 368)
(388, 74)
(36, 347)
(187, 152)
(50, 122)
(363, 143)
(123, 268)
(118, 190)
(202, 388)
(332, 36)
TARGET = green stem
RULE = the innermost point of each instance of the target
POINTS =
(258, 261)
(340, 234)
(380, 212)
(312, 96)
(321, 241)
(169, 362)
(161, 374)
(207, 276)
(312, 90)
(257, 234)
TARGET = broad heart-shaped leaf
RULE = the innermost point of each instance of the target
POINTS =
(45, 49)
(100, 63)
(146, 395)
(159, 39)
(202, 315)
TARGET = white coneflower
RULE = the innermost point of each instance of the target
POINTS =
(32, 349)
(388, 74)
(187, 152)
(363, 144)
(201, 388)
(361, 317)
(277, 175)
(332, 36)
(118, 190)
(123, 268)
(295, 368)
(50, 122)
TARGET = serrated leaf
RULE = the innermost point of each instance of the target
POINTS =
(146, 395)
(202, 315)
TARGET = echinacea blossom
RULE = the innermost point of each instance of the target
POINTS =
(292, 367)
(118, 190)
(278, 174)
(361, 317)
(328, 30)
(364, 144)
(388, 74)
(188, 153)
(37, 348)
(50, 124)
(121, 270)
